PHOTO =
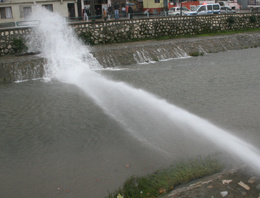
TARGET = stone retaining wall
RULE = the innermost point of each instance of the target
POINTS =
(140, 52)
(7, 37)
(128, 30)
(102, 32)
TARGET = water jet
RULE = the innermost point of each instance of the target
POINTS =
(137, 110)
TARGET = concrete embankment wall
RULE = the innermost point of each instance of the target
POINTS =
(14, 68)
(18, 68)
(103, 32)
(140, 52)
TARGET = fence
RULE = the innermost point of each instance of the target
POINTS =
(89, 19)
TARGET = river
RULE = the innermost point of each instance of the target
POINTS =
(56, 142)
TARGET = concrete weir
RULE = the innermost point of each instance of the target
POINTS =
(18, 68)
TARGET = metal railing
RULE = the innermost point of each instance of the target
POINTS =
(10, 24)
(27, 23)
(89, 19)
(92, 19)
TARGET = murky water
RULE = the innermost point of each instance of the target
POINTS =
(55, 142)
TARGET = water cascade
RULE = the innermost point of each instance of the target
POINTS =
(147, 117)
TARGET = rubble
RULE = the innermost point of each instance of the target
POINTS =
(239, 182)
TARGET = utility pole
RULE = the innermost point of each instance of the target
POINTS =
(181, 8)
(92, 8)
(80, 8)
(165, 5)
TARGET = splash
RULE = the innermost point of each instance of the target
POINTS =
(150, 119)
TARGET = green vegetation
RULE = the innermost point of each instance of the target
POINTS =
(253, 19)
(18, 45)
(231, 20)
(196, 53)
(214, 34)
(163, 181)
(86, 37)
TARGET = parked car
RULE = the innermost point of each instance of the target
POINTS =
(226, 10)
(206, 9)
(177, 11)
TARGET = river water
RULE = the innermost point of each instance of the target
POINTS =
(56, 142)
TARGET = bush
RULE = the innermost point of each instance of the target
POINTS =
(19, 45)
(231, 20)
(86, 37)
(253, 18)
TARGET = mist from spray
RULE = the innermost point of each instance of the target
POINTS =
(148, 118)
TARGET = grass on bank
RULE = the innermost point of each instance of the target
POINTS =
(163, 181)
(210, 34)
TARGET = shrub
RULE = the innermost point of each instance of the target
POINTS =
(231, 20)
(86, 37)
(163, 181)
(19, 45)
(253, 18)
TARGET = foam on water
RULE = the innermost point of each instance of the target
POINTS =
(150, 119)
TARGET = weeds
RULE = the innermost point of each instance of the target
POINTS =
(86, 37)
(196, 53)
(253, 19)
(231, 20)
(163, 181)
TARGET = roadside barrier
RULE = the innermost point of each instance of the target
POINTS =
(94, 18)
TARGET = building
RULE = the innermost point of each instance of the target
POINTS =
(153, 6)
(19, 10)
(97, 5)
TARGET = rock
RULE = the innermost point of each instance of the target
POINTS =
(258, 186)
(206, 182)
(210, 187)
(251, 180)
(224, 193)
(225, 181)
(243, 193)
(245, 186)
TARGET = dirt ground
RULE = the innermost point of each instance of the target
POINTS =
(235, 183)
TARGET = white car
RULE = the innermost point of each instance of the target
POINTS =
(175, 11)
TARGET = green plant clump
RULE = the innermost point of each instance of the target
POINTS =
(253, 19)
(162, 182)
(19, 45)
(231, 20)
(196, 53)
(86, 37)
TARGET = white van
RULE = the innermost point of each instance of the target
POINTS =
(205, 10)
(208, 9)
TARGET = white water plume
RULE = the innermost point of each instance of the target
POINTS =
(150, 119)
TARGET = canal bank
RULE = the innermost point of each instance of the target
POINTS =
(18, 68)
(237, 182)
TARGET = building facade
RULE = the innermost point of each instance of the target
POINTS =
(19, 10)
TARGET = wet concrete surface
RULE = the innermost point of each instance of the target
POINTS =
(234, 183)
